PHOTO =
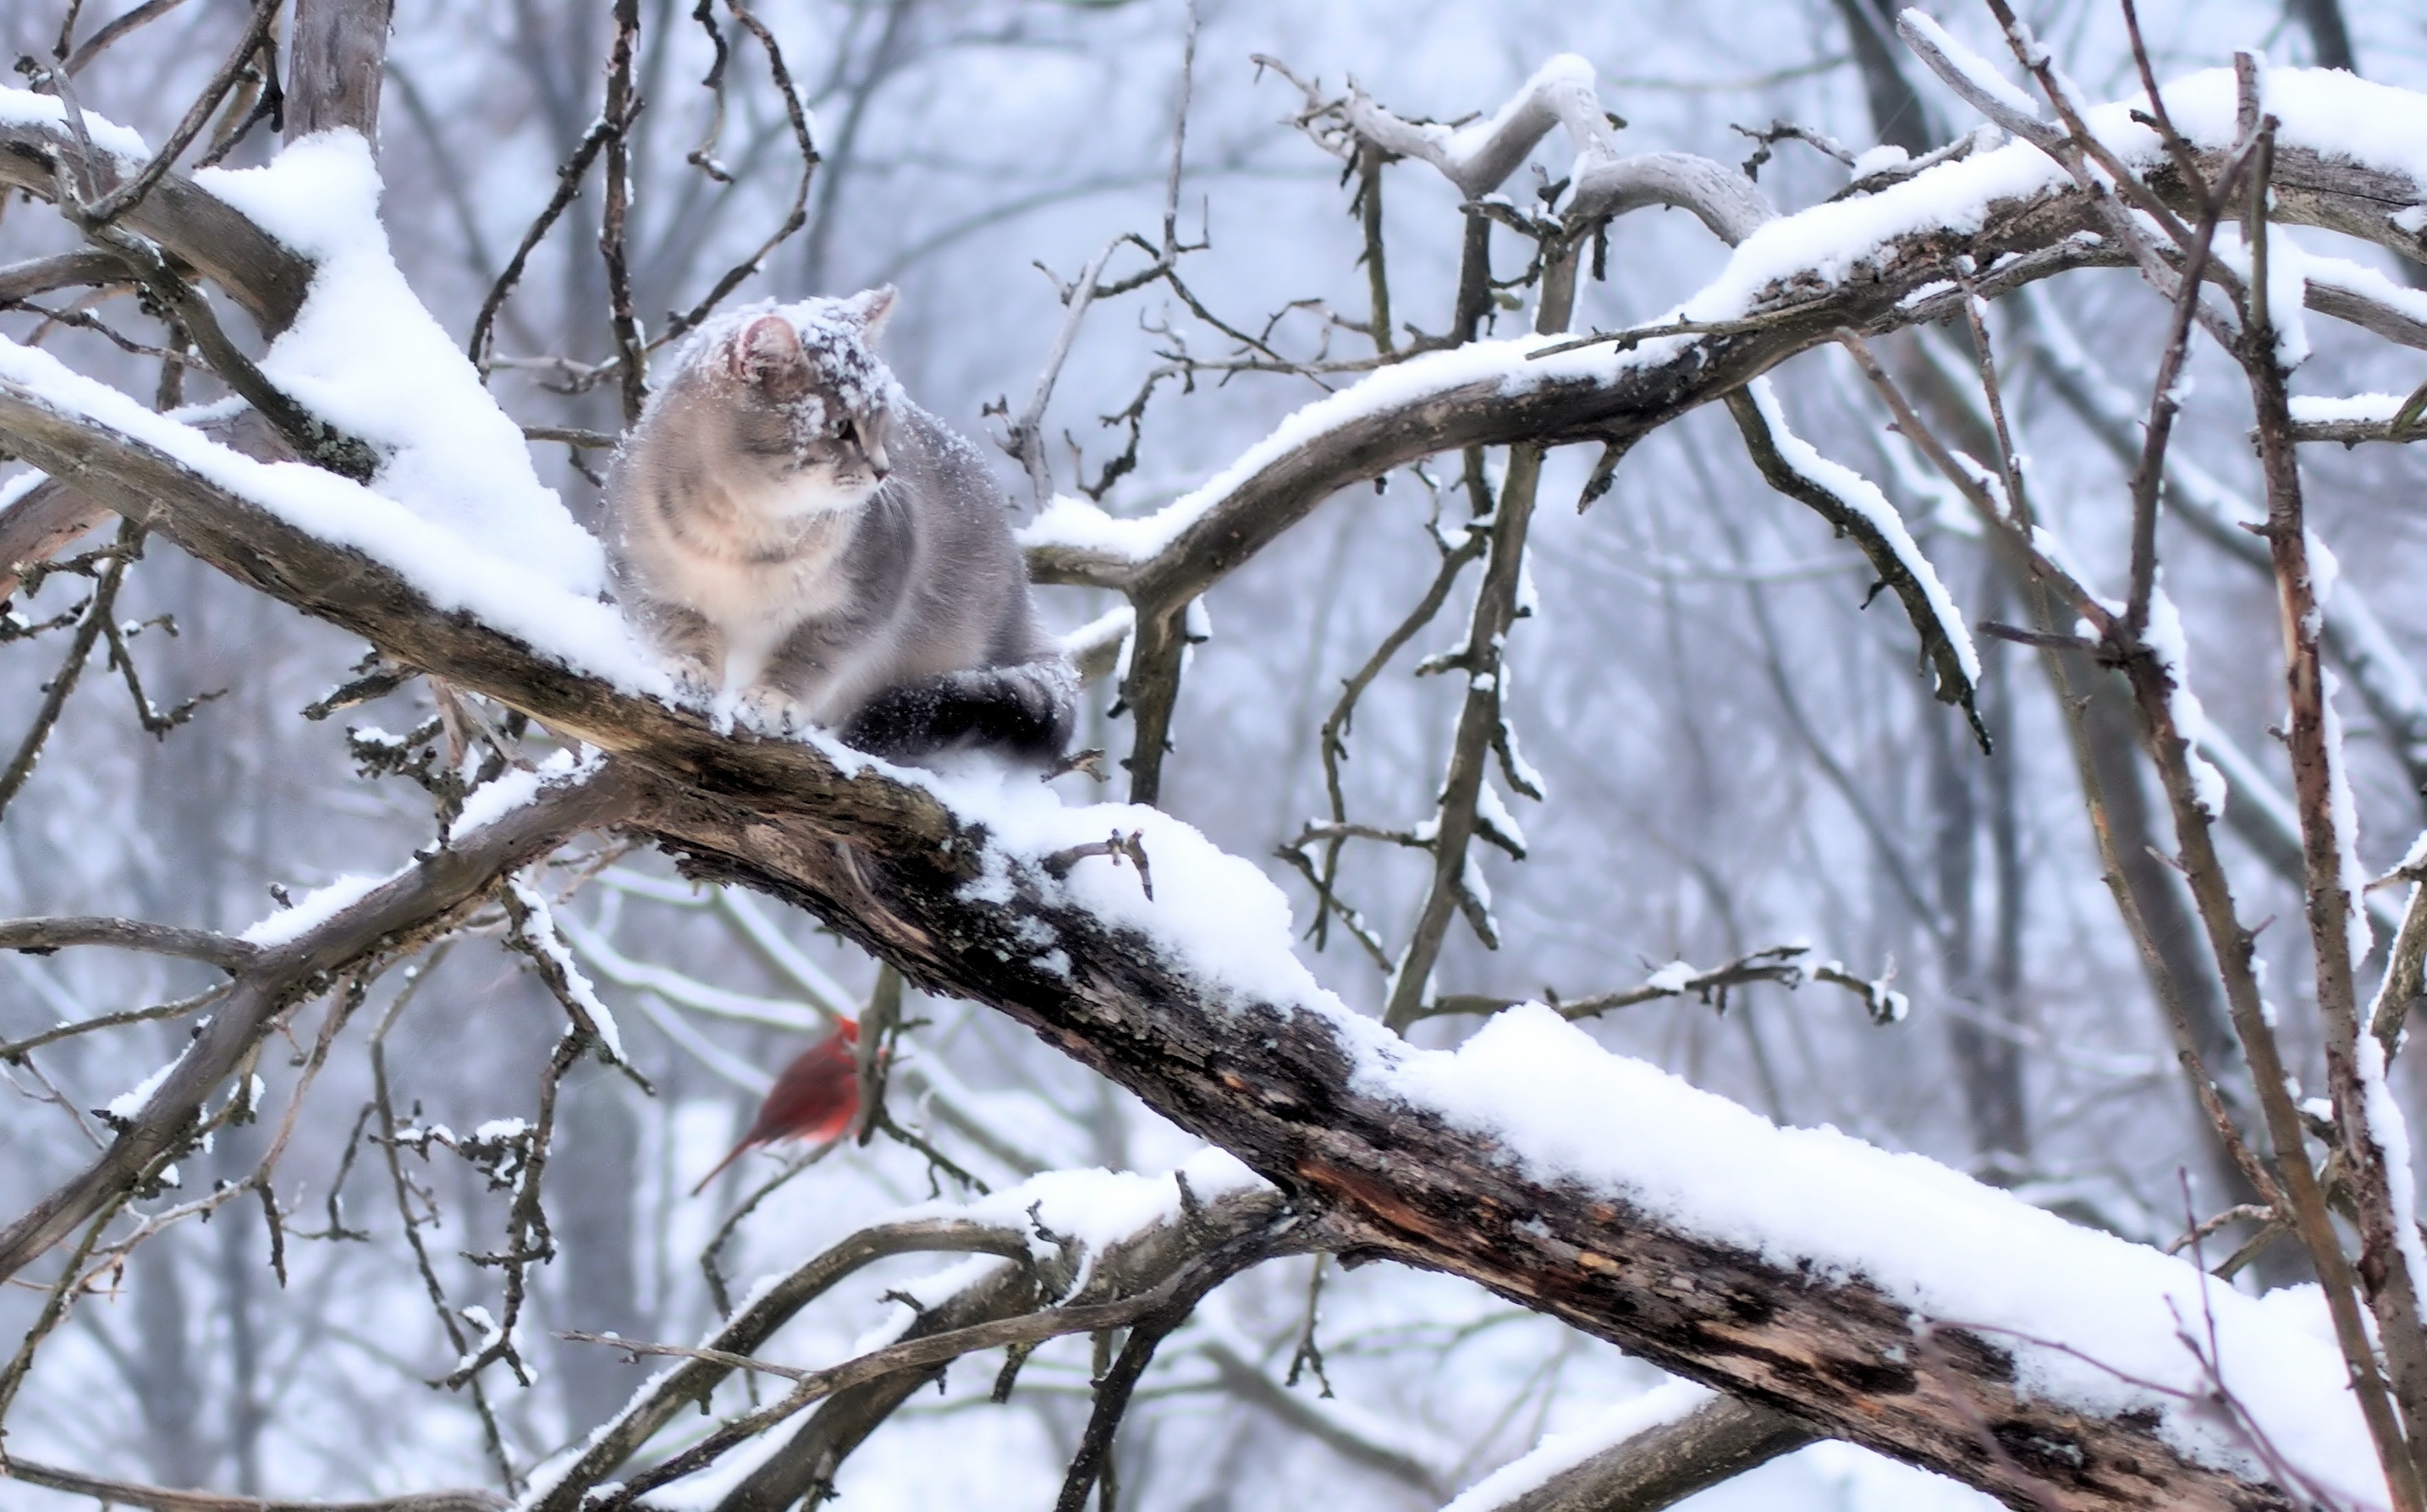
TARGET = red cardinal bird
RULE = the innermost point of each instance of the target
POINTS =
(814, 1098)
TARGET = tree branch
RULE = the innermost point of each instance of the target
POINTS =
(44, 936)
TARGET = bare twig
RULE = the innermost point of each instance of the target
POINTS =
(623, 108)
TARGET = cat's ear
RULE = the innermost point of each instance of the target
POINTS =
(871, 307)
(767, 355)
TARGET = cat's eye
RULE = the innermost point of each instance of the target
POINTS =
(845, 431)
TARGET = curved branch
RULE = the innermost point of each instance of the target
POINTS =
(1855, 507)
(40, 275)
(1717, 195)
(1653, 1466)
(803, 1469)
(1477, 157)
(161, 1499)
(770, 1309)
(260, 272)
(44, 936)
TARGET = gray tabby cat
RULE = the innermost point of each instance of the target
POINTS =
(809, 544)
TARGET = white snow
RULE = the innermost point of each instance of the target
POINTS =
(1216, 911)
(2383, 1117)
(2318, 409)
(542, 935)
(365, 356)
(485, 806)
(1863, 496)
(1879, 159)
(1956, 1252)
(1563, 1109)
(513, 597)
(1975, 69)
(2360, 279)
(1491, 811)
(1829, 243)
(1675, 977)
(2172, 650)
(313, 909)
(24, 107)
(1558, 1452)
(1100, 1207)
(130, 1102)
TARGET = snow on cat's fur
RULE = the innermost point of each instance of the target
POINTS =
(805, 543)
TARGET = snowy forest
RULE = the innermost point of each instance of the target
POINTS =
(1747, 825)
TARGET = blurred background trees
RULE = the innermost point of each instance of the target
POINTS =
(1734, 755)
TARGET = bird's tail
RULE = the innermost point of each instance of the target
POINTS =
(730, 1156)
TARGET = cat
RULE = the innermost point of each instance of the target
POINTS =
(807, 544)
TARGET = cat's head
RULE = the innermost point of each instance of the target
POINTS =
(812, 405)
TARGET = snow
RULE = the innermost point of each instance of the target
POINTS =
(2166, 640)
(130, 1102)
(1098, 1208)
(313, 909)
(542, 936)
(2365, 282)
(1564, 69)
(1215, 911)
(2383, 1117)
(1950, 1249)
(1975, 69)
(1095, 1209)
(1878, 160)
(1561, 1452)
(1565, 1109)
(2319, 409)
(1675, 977)
(452, 457)
(1863, 496)
(1077, 524)
(454, 572)
(1828, 244)
(1491, 811)
(24, 107)
(484, 807)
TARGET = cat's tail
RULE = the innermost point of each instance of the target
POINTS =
(1024, 711)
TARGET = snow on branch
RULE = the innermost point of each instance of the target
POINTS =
(1068, 1247)
(1872, 262)
(1654, 1450)
(1855, 506)
(2382, 675)
(1479, 158)
(1791, 1265)
(296, 954)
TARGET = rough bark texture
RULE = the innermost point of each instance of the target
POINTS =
(885, 864)
(333, 79)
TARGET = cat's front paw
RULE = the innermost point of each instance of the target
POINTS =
(774, 711)
(695, 681)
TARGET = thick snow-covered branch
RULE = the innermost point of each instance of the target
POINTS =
(1872, 263)
(1788, 1267)
(1194, 1000)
